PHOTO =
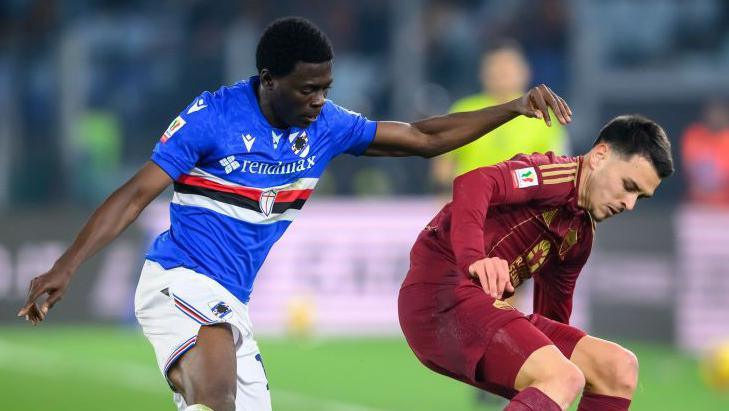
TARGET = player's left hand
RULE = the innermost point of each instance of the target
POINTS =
(537, 102)
(54, 283)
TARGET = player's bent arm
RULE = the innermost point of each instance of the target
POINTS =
(437, 135)
(114, 215)
(473, 193)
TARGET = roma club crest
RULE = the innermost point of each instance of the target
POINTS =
(538, 255)
(268, 198)
(299, 143)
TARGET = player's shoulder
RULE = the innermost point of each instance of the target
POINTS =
(222, 100)
(331, 107)
(545, 159)
(332, 113)
(551, 174)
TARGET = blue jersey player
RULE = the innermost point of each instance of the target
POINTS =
(243, 160)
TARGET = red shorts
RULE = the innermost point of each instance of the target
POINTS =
(455, 329)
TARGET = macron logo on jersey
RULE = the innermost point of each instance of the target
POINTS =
(276, 139)
(525, 177)
(199, 105)
(248, 140)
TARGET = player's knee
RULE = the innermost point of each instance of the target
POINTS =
(198, 407)
(559, 378)
(623, 370)
(571, 379)
(217, 393)
(216, 399)
(563, 383)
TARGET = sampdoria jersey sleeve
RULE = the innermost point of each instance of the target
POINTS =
(353, 132)
(520, 180)
(187, 139)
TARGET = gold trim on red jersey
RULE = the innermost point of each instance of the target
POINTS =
(557, 165)
(559, 173)
(511, 231)
(558, 180)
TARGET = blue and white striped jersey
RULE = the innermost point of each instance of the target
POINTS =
(239, 182)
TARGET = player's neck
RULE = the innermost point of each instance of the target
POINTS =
(264, 103)
(583, 183)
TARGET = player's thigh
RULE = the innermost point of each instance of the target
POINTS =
(608, 367)
(506, 354)
(249, 381)
(451, 334)
(549, 367)
(209, 369)
(564, 336)
(520, 355)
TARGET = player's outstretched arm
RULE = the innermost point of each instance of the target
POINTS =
(105, 224)
(437, 135)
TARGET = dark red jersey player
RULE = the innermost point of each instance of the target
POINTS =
(533, 216)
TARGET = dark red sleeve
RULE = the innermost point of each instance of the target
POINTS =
(477, 190)
(473, 192)
(553, 291)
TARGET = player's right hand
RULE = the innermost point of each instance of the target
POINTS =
(493, 273)
(536, 103)
(54, 283)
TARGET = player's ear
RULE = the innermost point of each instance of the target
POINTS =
(266, 79)
(598, 154)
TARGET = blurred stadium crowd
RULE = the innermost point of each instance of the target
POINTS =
(86, 87)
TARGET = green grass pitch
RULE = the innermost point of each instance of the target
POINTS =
(92, 368)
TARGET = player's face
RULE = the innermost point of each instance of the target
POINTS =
(298, 97)
(616, 183)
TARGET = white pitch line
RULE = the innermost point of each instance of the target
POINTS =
(48, 363)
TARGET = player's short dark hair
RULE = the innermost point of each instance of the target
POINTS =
(633, 134)
(289, 40)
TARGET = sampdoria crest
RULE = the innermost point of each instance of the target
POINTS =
(299, 143)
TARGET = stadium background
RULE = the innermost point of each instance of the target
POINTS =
(87, 87)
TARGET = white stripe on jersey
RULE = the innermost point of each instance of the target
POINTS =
(232, 211)
(300, 184)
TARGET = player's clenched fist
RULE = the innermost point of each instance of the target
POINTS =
(493, 273)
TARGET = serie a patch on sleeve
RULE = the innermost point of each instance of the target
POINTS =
(175, 125)
(525, 177)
